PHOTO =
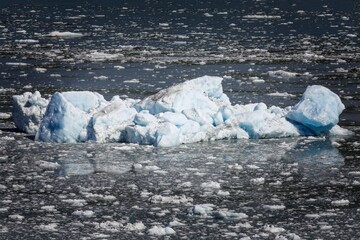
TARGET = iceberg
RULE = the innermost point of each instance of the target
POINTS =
(192, 111)
(318, 110)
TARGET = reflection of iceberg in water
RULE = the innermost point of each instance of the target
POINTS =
(101, 160)
(314, 158)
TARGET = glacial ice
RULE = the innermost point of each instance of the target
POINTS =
(28, 111)
(192, 111)
(318, 110)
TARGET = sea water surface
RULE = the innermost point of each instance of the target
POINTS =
(266, 51)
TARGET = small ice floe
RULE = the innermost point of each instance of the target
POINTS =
(151, 168)
(21, 64)
(257, 181)
(51, 227)
(273, 229)
(49, 208)
(110, 226)
(119, 67)
(101, 77)
(340, 203)
(208, 210)
(75, 202)
(55, 75)
(210, 185)
(135, 227)
(351, 35)
(223, 193)
(5, 115)
(137, 166)
(274, 207)
(47, 165)
(86, 213)
(256, 80)
(176, 223)
(99, 197)
(16, 217)
(161, 231)
(341, 70)
(40, 70)
(236, 166)
(7, 138)
(132, 81)
(312, 215)
(97, 56)
(64, 34)
(27, 41)
(283, 94)
(283, 74)
(258, 16)
(170, 199)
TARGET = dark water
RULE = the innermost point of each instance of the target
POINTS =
(303, 188)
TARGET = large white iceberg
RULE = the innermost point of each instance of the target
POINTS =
(192, 111)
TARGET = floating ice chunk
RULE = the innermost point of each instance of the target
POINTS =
(274, 207)
(27, 41)
(40, 70)
(199, 93)
(318, 110)
(28, 111)
(257, 181)
(257, 16)
(339, 131)
(279, 94)
(207, 210)
(282, 74)
(17, 64)
(67, 116)
(161, 231)
(5, 115)
(273, 229)
(47, 165)
(16, 217)
(96, 56)
(170, 199)
(210, 185)
(339, 203)
(64, 34)
(52, 227)
(202, 209)
(80, 213)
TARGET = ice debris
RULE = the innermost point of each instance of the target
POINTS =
(208, 210)
(192, 111)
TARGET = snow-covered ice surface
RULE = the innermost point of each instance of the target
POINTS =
(293, 188)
